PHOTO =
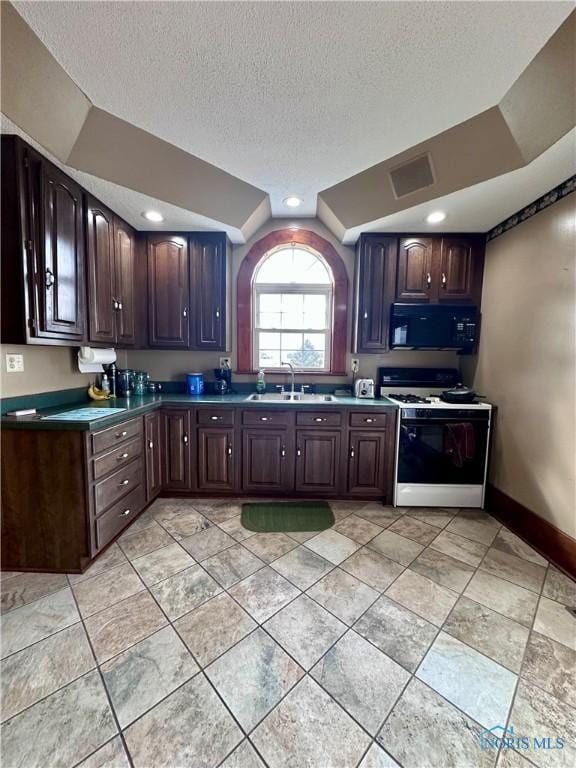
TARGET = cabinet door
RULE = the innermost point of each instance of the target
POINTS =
(209, 291)
(168, 291)
(374, 291)
(216, 459)
(267, 460)
(153, 453)
(317, 461)
(61, 264)
(367, 463)
(416, 278)
(460, 262)
(177, 460)
(124, 283)
(100, 268)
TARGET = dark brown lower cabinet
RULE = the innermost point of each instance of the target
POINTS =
(216, 459)
(367, 461)
(177, 447)
(267, 460)
(153, 454)
(318, 461)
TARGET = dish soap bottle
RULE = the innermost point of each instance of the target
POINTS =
(261, 382)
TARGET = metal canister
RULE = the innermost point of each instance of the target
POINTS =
(195, 383)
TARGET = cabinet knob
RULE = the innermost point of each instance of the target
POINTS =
(122, 456)
(298, 452)
(443, 280)
(369, 421)
(120, 305)
(124, 482)
(283, 452)
(428, 279)
(229, 450)
(118, 435)
(114, 303)
(150, 444)
(49, 278)
(365, 315)
(185, 312)
(318, 418)
(125, 513)
(215, 418)
(185, 439)
(217, 313)
(351, 453)
(264, 418)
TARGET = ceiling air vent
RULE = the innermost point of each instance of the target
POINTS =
(412, 176)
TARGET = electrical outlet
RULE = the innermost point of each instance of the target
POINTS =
(355, 363)
(14, 363)
(225, 362)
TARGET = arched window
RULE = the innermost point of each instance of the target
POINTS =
(292, 295)
(292, 300)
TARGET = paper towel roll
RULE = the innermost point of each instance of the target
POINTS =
(91, 360)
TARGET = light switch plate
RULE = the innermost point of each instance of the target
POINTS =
(14, 363)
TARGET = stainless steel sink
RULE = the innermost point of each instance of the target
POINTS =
(290, 398)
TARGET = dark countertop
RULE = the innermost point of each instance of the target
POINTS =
(136, 406)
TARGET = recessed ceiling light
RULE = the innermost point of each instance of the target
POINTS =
(292, 201)
(153, 216)
(436, 217)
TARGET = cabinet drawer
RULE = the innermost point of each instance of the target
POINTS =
(216, 417)
(260, 418)
(369, 420)
(117, 458)
(108, 491)
(117, 517)
(109, 438)
(318, 419)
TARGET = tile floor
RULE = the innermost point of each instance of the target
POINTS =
(393, 639)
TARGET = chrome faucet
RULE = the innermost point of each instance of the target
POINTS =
(292, 372)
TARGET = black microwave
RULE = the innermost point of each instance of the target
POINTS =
(434, 326)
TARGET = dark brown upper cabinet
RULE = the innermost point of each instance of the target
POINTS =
(374, 291)
(168, 291)
(416, 262)
(110, 249)
(42, 250)
(209, 290)
(437, 269)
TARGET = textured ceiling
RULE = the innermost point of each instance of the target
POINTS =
(294, 97)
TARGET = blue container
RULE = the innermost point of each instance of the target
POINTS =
(195, 383)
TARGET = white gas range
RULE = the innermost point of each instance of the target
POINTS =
(441, 447)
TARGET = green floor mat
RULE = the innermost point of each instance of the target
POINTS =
(274, 517)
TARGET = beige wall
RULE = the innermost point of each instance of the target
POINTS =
(527, 362)
(173, 365)
(46, 369)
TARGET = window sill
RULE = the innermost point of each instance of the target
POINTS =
(287, 373)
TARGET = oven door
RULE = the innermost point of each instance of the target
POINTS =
(443, 451)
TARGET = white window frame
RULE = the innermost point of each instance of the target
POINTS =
(312, 289)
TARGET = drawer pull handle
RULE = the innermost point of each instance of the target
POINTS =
(369, 421)
(118, 435)
(283, 452)
(122, 456)
(125, 513)
(124, 482)
(264, 418)
(351, 453)
(215, 418)
(150, 444)
(185, 439)
(319, 418)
